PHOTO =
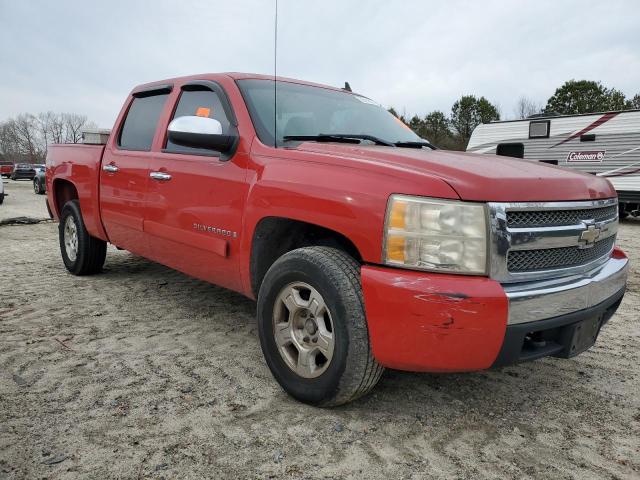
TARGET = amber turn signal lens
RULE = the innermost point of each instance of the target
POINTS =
(395, 248)
(397, 219)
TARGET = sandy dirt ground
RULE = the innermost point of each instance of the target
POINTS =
(142, 372)
(22, 201)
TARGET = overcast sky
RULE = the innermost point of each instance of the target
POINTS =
(418, 56)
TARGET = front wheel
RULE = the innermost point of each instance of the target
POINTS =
(36, 187)
(82, 254)
(313, 329)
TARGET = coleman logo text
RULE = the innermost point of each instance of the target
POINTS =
(590, 156)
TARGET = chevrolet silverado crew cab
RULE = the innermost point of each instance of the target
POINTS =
(364, 246)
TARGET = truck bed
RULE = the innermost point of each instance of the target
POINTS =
(82, 162)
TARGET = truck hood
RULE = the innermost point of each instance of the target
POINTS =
(475, 177)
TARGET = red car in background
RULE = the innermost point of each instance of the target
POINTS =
(6, 169)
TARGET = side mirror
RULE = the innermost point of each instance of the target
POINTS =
(200, 132)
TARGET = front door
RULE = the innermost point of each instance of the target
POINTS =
(196, 197)
(124, 174)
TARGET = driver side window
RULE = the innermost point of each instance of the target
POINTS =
(201, 103)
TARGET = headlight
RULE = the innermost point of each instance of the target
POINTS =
(437, 235)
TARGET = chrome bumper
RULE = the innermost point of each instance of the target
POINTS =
(531, 301)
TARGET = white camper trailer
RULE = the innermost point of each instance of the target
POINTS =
(604, 144)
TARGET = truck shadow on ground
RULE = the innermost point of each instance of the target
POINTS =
(526, 388)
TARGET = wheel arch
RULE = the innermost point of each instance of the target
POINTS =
(274, 236)
(63, 191)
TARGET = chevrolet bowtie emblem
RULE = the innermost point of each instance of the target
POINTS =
(589, 236)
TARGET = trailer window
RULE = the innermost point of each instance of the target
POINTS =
(515, 150)
(141, 121)
(539, 129)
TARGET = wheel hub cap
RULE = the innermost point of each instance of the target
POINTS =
(310, 326)
(303, 329)
(71, 238)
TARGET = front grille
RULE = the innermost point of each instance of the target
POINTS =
(552, 218)
(552, 258)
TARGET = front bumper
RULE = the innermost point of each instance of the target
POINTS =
(437, 322)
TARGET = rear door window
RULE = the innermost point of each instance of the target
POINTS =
(141, 121)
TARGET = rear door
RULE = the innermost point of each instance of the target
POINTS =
(125, 171)
(196, 196)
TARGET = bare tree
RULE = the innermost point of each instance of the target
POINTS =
(27, 137)
(44, 122)
(8, 140)
(57, 128)
(73, 124)
(526, 107)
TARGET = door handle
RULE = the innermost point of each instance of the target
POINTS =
(111, 168)
(160, 176)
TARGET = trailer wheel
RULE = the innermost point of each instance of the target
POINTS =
(622, 211)
(82, 254)
(313, 329)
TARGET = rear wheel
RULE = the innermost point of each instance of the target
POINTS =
(82, 254)
(313, 329)
(1, 198)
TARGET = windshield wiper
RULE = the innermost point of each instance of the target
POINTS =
(415, 145)
(338, 137)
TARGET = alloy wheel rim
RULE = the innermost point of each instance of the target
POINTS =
(71, 238)
(303, 330)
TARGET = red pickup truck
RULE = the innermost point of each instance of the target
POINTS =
(364, 246)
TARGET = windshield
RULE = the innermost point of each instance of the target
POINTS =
(305, 110)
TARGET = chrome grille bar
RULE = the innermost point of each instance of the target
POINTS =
(582, 242)
(547, 218)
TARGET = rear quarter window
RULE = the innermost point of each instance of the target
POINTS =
(141, 121)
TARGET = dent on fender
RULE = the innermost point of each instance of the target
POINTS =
(433, 322)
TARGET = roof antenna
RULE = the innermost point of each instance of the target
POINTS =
(347, 87)
(275, 84)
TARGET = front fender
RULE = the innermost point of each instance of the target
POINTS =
(350, 201)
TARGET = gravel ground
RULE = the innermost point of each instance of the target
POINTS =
(143, 372)
(22, 201)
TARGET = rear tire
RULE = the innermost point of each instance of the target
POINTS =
(347, 370)
(1, 198)
(82, 254)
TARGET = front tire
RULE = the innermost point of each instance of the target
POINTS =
(82, 254)
(313, 329)
(36, 187)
